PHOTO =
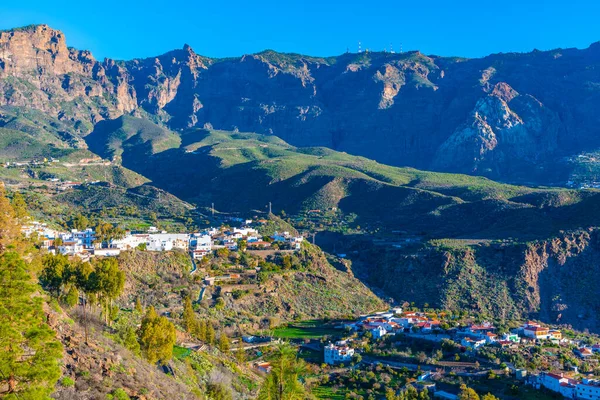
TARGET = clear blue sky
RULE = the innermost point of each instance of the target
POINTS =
(126, 29)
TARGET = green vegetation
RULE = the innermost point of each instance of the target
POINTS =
(29, 351)
(157, 337)
(305, 330)
(283, 381)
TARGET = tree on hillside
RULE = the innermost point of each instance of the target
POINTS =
(80, 275)
(190, 321)
(55, 273)
(224, 345)
(466, 393)
(489, 396)
(9, 228)
(105, 232)
(157, 337)
(210, 333)
(79, 222)
(19, 206)
(29, 351)
(109, 281)
(283, 381)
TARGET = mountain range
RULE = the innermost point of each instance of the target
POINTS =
(513, 117)
(341, 133)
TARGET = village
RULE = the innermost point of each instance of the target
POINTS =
(86, 244)
(468, 350)
(434, 347)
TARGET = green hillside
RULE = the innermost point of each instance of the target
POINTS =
(243, 171)
(130, 137)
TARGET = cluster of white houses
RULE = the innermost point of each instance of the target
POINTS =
(84, 244)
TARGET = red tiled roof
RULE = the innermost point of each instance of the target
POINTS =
(536, 329)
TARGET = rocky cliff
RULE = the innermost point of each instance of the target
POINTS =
(553, 280)
(509, 116)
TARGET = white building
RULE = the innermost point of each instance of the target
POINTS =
(70, 248)
(245, 231)
(337, 354)
(378, 332)
(168, 241)
(86, 237)
(200, 245)
(129, 242)
(559, 384)
(473, 344)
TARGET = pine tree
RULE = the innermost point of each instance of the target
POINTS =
(224, 345)
(9, 228)
(202, 330)
(210, 333)
(19, 206)
(109, 281)
(56, 272)
(190, 321)
(138, 306)
(130, 341)
(157, 337)
(29, 351)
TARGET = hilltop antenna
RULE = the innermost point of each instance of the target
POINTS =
(359, 47)
(391, 48)
(212, 208)
(270, 208)
(401, 47)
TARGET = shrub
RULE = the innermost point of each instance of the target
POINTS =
(67, 382)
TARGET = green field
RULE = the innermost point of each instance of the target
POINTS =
(305, 330)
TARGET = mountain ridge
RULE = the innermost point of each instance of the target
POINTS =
(426, 109)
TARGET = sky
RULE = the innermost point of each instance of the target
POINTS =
(128, 29)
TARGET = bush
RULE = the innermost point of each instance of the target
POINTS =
(118, 394)
(67, 382)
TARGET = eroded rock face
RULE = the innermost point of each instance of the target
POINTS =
(503, 126)
(496, 116)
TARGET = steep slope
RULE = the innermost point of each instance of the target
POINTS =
(552, 280)
(506, 116)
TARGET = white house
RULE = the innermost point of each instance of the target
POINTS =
(473, 344)
(201, 242)
(559, 384)
(128, 242)
(337, 354)
(245, 231)
(70, 248)
(378, 332)
(168, 241)
(86, 237)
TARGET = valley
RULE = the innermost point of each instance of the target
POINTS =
(182, 225)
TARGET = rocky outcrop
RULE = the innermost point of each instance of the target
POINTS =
(502, 116)
(504, 128)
